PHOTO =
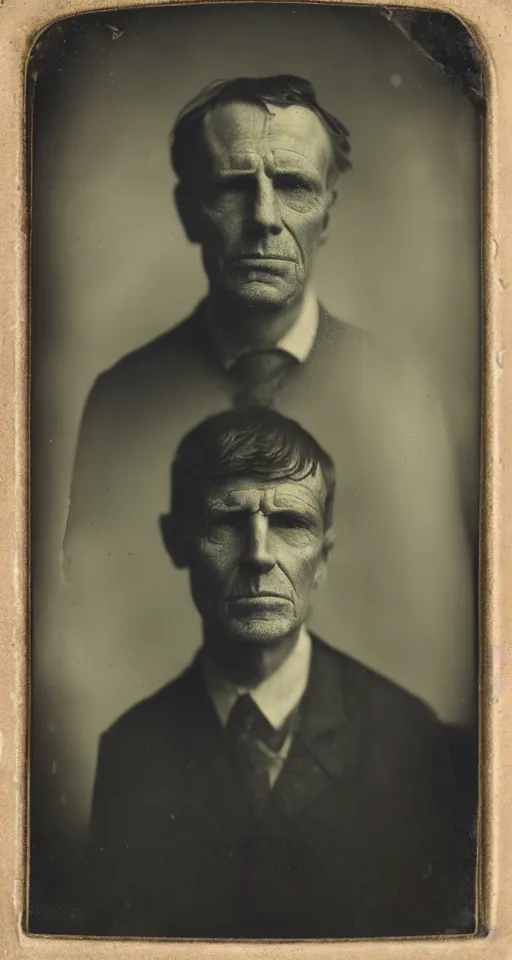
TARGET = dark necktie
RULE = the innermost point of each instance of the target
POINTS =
(259, 375)
(251, 740)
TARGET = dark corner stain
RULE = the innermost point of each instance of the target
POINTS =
(445, 40)
(62, 41)
(53, 46)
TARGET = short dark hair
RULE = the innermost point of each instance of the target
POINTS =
(282, 90)
(257, 442)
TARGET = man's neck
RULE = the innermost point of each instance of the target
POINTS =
(255, 327)
(247, 664)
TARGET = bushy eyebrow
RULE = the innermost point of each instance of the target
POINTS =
(215, 509)
(222, 175)
(227, 176)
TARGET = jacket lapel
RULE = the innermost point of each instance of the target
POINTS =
(203, 768)
(324, 746)
(323, 749)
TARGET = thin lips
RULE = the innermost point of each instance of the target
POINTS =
(258, 596)
(265, 256)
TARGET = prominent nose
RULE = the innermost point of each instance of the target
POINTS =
(267, 215)
(258, 551)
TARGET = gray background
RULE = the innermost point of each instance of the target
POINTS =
(112, 269)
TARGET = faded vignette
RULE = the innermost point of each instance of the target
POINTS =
(20, 24)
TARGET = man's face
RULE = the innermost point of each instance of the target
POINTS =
(257, 557)
(261, 201)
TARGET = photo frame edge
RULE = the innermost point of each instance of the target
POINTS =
(20, 30)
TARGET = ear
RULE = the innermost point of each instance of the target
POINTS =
(174, 541)
(332, 196)
(189, 213)
(327, 545)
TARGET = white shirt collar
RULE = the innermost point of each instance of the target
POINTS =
(276, 696)
(298, 341)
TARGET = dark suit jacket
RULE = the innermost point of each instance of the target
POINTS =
(402, 567)
(361, 838)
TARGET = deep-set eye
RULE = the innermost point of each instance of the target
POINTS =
(240, 183)
(228, 521)
(218, 192)
(287, 520)
(292, 182)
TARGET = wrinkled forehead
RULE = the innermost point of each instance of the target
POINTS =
(239, 135)
(254, 495)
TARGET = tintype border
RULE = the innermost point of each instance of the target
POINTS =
(490, 23)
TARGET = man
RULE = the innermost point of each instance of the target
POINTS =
(278, 788)
(258, 164)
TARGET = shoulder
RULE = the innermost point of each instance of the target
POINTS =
(370, 693)
(363, 356)
(155, 714)
(336, 331)
(393, 386)
(147, 360)
(388, 358)
(340, 332)
(397, 736)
